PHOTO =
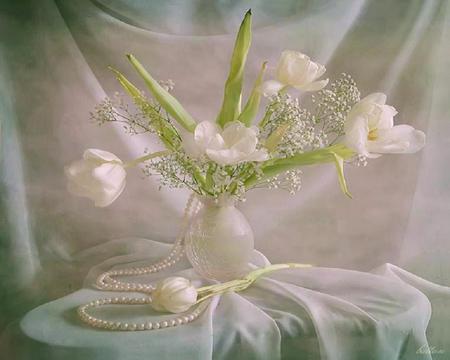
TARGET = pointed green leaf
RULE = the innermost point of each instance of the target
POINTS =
(274, 167)
(251, 108)
(166, 131)
(132, 90)
(339, 162)
(231, 106)
(167, 101)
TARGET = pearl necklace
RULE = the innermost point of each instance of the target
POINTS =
(106, 281)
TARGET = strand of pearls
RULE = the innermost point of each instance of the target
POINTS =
(107, 281)
(134, 326)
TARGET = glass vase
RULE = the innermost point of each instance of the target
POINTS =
(219, 240)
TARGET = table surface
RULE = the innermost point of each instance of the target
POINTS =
(313, 313)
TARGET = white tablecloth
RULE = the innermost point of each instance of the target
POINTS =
(314, 313)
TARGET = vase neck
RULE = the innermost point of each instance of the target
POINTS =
(221, 201)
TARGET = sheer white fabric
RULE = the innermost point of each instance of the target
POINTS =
(315, 313)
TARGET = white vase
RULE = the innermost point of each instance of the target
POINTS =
(219, 241)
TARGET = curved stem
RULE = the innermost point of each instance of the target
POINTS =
(146, 157)
(206, 292)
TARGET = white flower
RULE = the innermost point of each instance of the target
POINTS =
(370, 131)
(99, 176)
(297, 70)
(174, 294)
(235, 144)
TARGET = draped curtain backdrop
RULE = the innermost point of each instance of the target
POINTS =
(53, 70)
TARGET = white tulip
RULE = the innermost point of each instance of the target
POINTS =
(235, 144)
(297, 70)
(174, 294)
(99, 176)
(370, 131)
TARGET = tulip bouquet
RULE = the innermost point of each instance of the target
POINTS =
(234, 154)
(244, 148)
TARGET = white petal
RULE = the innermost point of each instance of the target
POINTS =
(204, 132)
(234, 131)
(97, 154)
(271, 87)
(292, 67)
(181, 300)
(217, 143)
(225, 157)
(310, 74)
(386, 118)
(80, 180)
(356, 134)
(112, 180)
(377, 98)
(314, 86)
(258, 155)
(401, 139)
(320, 71)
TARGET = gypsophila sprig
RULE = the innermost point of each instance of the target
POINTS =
(301, 131)
(333, 104)
(134, 121)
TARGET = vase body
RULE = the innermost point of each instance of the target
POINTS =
(219, 241)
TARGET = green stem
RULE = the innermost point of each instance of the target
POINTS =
(145, 158)
(206, 292)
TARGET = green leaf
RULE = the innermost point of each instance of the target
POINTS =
(231, 106)
(332, 154)
(251, 108)
(167, 101)
(166, 131)
(339, 162)
(132, 90)
(209, 181)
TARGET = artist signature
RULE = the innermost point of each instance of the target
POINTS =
(427, 349)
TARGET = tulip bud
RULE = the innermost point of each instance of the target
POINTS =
(174, 294)
(99, 176)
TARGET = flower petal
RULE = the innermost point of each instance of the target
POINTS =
(314, 86)
(320, 71)
(204, 132)
(377, 98)
(401, 139)
(225, 156)
(112, 179)
(271, 87)
(356, 131)
(97, 154)
(386, 117)
(292, 67)
(258, 155)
